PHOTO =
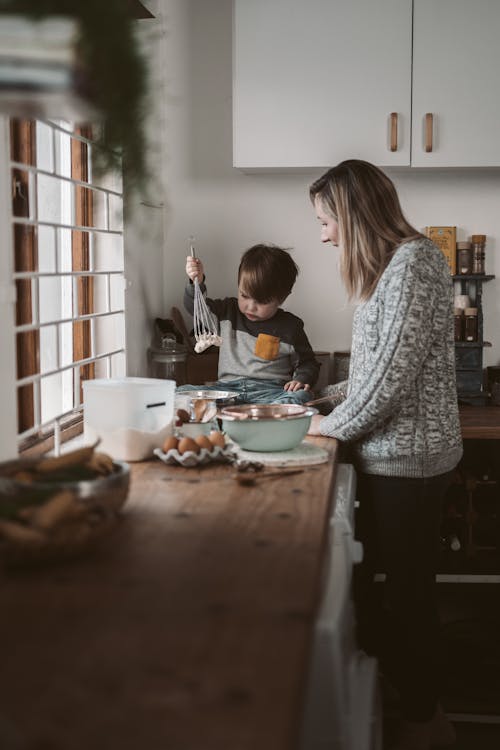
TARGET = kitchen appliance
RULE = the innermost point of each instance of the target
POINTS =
(342, 709)
(131, 416)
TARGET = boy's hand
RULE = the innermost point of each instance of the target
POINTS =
(194, 268)
(296, 385)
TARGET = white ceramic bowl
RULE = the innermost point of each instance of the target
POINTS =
(267, 427)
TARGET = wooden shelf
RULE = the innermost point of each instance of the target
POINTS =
(469, 354)
(471, 344)
(473, 277)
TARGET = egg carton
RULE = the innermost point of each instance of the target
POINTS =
(190, 458)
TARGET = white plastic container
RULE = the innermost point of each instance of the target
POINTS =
(131, 416)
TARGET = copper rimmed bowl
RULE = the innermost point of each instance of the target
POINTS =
(267, 427)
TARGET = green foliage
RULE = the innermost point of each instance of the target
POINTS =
(113, 76)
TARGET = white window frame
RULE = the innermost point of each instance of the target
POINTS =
(108, 353)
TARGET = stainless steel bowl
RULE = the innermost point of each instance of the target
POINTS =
(221, 398)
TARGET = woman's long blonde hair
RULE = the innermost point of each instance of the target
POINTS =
(365, 204)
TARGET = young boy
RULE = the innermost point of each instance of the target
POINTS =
(265, 354)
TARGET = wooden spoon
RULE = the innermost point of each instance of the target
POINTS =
(204, 409)
(322, 400)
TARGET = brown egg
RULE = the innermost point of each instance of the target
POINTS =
(217, 438)
(187, 444)
(203, 442)
(170, 444)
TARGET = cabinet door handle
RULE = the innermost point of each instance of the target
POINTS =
(428, 131)
(394, 131)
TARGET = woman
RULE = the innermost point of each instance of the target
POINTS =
(399, 416)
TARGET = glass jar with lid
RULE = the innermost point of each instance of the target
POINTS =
(478, 253)
(464, 258)
(471, 324)
(459, 323)
(168, 360)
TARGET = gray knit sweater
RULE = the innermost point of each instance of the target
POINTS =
(400, 413)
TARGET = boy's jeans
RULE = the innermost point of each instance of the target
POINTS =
(253, 391)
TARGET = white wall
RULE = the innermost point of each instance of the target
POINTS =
(8, 402)
(227, 211)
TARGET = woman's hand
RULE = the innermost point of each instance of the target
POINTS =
(194, 268)
(296, 385)
(314, 426)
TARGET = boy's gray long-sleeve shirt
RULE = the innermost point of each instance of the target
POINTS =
(276, 349)
(401, 413)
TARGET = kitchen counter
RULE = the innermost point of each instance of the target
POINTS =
(480, 422)
(189, 628)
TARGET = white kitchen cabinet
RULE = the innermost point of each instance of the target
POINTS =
(456, 65)
(318, 82)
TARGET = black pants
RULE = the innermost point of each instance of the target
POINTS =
(398, 522)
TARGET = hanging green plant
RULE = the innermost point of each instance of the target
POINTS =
(111, 75)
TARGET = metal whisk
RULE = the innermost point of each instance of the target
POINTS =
(204, 322)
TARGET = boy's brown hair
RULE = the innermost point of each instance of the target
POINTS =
(267, 273)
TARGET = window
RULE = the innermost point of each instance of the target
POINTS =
(68, 271)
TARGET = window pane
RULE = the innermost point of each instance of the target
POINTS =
(115, 212)
(55, 298)
(55, 200)
(48, 349)
(24, 302)
(102, 369)
(21, 186)
(114, 182)
(25, 248)
(56, 394)
(118, 365)
(100, 286)
(99, 214)
(117, 296)
(25, 412)
(28, 354)
(66, 343)
(47, 249)
(64, 250)
(107, 252)
(44, 147)
(109, 333)
(63, 153)
(84, 202)
(82, 332)
(87, 372)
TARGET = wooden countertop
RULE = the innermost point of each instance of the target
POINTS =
(480, 422)
(188, 629)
